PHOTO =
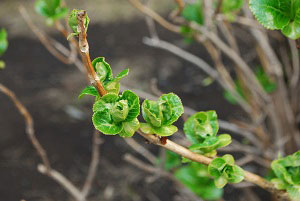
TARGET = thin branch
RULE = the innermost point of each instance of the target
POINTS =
(250, 177)
(141, 150)
(29, 125)
(63, 181)
(84, 48)
(155, 16)
(296, 63)
(200, 63)
(41, 36)
(93, 165)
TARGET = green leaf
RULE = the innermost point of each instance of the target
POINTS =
(195, 177)
(229, 159)
(172, 160)
(200, 126)
(146, 128)
(112, 87)
(152, 112)
(161, 114)
(229, 6)
(129, 128)
(279, 184)
(3, 41)
(294, 192)
(268, 85)
(120, 111)
(115, 114)
(103, 122)
(194, 12)
(102, 69)
(224, 170)
(122, 74)
(51, 9)
(220, 182)
(278, 14)
(89, 90)
(165, 130)
(172, 108)
(72, 21)
(133, 104)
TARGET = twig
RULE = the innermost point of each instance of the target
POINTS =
(84, 48)
(200, 63)
(250, 177)
(155, 16)
(93, 165)
(63, 181)
(41, 36)
(141, 150)
(29, 125)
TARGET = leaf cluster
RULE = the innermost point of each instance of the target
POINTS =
(117, 114)
(225, 171)
(201, 130)
(161, 114)
(73, 23)
(278, 15)
(51, 9)
(287, 174)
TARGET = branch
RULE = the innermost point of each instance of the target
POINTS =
(182, 151)
(63, 181)
(29, 125)
(41, 36)
(155, 16)
(93, 165)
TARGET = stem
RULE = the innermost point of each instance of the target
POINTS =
(84, 50)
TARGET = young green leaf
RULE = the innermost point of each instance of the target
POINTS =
(89, 90)
(287, 174)
(161, 114)
(278, 15)
(117, 114)
(51, 9)
(194, 12)
(3, 41)
(195, 177)
(104, 72)
(73, 23)
(201, 130)
(225, 171)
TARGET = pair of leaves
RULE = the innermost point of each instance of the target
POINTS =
(161, 114)
(117, 114)
(287, 172)
(225, 171)
(104, 72)
(278, 15)
(201, 130)
(73, 23)
(3, 45)
(51, 9)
